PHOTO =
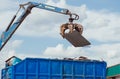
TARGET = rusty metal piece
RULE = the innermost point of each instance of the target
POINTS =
(76, 39)
(71, 26)
(63, 27)
(78, 27)
(68, 59)
(83, 58)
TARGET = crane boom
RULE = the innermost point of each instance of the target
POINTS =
(12, 27)
(50, 8)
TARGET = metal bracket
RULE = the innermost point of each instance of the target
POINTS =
(76, 39)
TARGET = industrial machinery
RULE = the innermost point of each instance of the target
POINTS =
(15, 23)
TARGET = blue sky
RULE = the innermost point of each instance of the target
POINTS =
(38, 36)
(98, 4)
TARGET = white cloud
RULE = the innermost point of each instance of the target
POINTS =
(6, 4)
(106, 52)
(102, 26)
(9, 51)
(60, 51)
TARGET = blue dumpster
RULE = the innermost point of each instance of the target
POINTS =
(40, 68)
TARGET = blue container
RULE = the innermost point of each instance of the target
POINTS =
(12, 61)
(38, 68)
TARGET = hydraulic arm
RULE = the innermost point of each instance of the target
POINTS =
(14, 24)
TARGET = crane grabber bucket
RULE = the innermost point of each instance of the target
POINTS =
(74, 36)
